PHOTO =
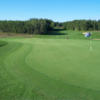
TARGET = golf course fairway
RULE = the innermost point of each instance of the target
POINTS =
(49, 69)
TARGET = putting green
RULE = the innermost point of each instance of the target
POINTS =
(49, 69)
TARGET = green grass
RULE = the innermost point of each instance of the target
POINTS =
(3, 43)
(49, 69)
(68, 34)
(78, 34)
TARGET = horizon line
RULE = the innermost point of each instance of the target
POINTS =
(49, 19)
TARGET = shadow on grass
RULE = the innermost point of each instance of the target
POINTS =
(56, 32)
(3, 43)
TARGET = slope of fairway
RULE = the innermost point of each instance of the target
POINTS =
(49, 69)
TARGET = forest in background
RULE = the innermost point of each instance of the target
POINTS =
(43, 26)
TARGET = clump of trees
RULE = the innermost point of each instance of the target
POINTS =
(82, 25)
(32, 26)
(42, 26)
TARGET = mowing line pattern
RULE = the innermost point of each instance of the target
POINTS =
(49, 69)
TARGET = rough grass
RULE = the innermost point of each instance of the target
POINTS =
(49, 69)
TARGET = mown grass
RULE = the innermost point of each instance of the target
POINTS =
(68, 34)
(49, 69)
(3, 43)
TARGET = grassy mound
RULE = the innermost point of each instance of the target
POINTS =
(49, 69)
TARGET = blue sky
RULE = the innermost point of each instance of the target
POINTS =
(57, 10)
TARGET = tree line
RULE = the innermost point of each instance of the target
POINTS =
(42, 26)
(32, 26)
(82, 25)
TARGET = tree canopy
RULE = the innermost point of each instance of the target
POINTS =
(33, 26)
(82, 25)
(42, 26)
